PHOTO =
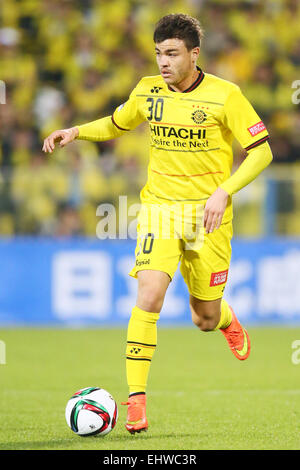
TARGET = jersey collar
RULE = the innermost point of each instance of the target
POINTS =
(194, 85)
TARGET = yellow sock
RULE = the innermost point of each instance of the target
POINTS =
(225, 317)
(141, 344)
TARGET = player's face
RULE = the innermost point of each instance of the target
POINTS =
(176, 63)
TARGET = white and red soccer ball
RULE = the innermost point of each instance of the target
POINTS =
(91, 411)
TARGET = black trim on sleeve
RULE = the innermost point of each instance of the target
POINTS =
(121, 128)
(258, 142)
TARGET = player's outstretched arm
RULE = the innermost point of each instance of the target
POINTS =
(62, 136)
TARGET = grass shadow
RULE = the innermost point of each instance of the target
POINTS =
(71, 444)
(36, 445)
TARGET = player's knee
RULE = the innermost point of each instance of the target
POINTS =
(205, 314)
(151, 299)
(151, 291)
(203, 317)
(204, 322)
(197, 320)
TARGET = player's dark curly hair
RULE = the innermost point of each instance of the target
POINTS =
(180, 26)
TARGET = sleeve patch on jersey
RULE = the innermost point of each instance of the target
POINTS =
(257, 128)
(218, 278)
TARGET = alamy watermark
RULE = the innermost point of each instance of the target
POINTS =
(296, 354)
(296, 94)
(2, 92)
(165, 221)
(2, 352)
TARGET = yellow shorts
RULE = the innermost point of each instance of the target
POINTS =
(204, 258)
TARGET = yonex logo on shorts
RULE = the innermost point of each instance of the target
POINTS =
(257, 128)
(218, 278)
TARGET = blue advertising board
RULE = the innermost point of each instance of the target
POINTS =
(86, 282)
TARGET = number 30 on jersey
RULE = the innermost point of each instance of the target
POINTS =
(155, 109)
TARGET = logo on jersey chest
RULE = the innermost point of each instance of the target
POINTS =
(180, 132)
(199, 116)
(156, 89)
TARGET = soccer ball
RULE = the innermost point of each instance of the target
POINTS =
(91, 411)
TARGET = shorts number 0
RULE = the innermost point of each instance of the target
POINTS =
(148, 244)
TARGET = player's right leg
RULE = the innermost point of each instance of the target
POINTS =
(156, 260)
(141, 343)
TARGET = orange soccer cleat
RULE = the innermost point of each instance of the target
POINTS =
(237, 338)
(136, 413)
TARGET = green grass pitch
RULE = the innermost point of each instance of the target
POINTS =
(199, 395)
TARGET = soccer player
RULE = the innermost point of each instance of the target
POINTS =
(193, 118)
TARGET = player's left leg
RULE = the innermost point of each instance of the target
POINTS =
(207, 314)
(218, 315)
(205, 271)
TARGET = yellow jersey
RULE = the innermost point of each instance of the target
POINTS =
(191, 135)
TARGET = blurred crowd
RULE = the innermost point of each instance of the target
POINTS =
(68, 62)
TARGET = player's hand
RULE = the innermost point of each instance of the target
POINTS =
(63, 136)
(214, 210)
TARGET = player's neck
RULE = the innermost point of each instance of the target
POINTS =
(186, 83)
